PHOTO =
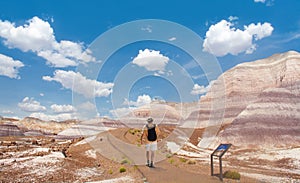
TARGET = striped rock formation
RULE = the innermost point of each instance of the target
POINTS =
(272, 121)
(240, 86)
(10, 130)
(45, 127)
(260, 103)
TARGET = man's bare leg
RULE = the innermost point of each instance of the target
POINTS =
(152, 158)
(147, 155)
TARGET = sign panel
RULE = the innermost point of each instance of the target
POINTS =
(221, 149)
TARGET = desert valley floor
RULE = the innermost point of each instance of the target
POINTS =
(57, 159)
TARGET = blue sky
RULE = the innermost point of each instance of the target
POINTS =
(46, 45)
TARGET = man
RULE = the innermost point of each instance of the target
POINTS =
(150, 133)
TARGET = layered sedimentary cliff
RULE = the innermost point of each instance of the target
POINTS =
(261, 102)
(240, 86)
(10, 130)
(273, 120)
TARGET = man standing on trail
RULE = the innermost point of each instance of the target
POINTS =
(151, 132)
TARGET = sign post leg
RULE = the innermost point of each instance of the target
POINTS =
(211, 165)
(221, 173)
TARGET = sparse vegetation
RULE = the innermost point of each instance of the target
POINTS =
(110, 171)
(134, 131)
(183, 160)
(125, 161)
(168, 155)
(122, 169)
(171, 161)
(232, 175)
(191, 162)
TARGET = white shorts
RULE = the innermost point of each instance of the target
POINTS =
(151, 146)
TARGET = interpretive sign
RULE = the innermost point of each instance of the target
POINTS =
(218, 152)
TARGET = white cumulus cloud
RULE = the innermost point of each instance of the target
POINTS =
(56, 117)
(151, 60)
(37, 36)
(87, 106)
(200, 89)
(80, 84)
(141, 100)
(62, 108)
(259, 30)
(10, 67)
(119, 112)
(222, 38)
(132, 105)
(31, 105)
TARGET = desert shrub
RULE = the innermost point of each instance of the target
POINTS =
(191, 162)
(125, 161)
(110, 171)
(171, 161)
(183, 160)
(122, 169)
(232, 175)
(168, 155)
(132, 131)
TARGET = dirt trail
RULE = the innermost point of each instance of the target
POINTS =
(166, 172)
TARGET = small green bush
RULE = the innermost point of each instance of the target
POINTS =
(171, 161)
(125, 161)
(191, 162)
(110, 171)
(168, 155)
(232, 175)
(132, 131)
(122, 169)
(183, 160)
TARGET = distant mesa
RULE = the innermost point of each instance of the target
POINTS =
(158, 109)
(10, 130)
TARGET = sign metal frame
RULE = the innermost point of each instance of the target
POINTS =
(218, 152)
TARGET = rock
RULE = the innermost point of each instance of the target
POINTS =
(241, 85)
(261, 103)
(10, 130)
(272, 121)
(35, 126)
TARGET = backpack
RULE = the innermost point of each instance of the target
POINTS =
(151, 133)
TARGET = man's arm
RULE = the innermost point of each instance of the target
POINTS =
(143, 133)
(157, 130)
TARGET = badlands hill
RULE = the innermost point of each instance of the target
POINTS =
(32, 126)
(273, 120)
(241, 85)
(262, 102)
